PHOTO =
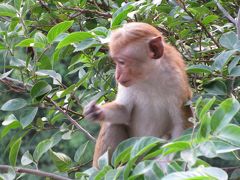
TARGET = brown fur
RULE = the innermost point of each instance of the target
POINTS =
(152, 92)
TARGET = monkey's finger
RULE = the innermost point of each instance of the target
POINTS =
(96, 115)
(89, 108)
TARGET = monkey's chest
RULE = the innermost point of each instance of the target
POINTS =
(150, 118)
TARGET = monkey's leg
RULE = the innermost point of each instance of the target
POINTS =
(109, 137)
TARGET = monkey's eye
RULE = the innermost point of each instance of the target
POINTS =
(121, 62)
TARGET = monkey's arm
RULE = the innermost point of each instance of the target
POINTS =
(112, 112)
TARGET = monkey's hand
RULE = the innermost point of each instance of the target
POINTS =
(93, 112)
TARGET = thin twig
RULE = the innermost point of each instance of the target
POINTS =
(5, 168)
(238, 24)
(225, 13)
(75, 123)
(106, 15)
(73, 112)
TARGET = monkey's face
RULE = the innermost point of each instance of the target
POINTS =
(133, 63)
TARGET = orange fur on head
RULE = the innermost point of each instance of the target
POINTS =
(131, 32)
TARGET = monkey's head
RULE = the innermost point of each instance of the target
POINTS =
(135, 48)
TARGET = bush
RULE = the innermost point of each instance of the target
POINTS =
(55, 60)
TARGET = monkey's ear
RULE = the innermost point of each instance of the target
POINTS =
(156, 47)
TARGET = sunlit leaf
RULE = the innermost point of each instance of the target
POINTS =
(42, 148)
(58, 29)
(224, 114)
(73, 38)
(27, 116)
(26, 158)
(231, 134)
(199, 68)
(7, 10)
(121, 14)
(208, 173)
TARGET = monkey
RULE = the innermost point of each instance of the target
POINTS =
(152, 89)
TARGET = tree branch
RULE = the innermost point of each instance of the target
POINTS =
(75, 123)
(15, 85)
(5, 168)
(18, 86)
(106, 15)
(225, 13)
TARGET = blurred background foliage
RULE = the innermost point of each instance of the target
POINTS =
(54, 60)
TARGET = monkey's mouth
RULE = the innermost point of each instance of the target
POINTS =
(125, 83)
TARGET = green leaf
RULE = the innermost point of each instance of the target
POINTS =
(7, 10)
(10, 119)
(174, 147)
(14, 125)
(10, 175)
(221, 146)
(224, 114)
(40, 40)
(120, 15)
(188, 156)
(207, 107)
(73, 38)
(207, 149)
(40, 88)
(81, 73)
(17, 63)
(26, 43)
(42, 148)
(231, 134)
(199, 68)
(208, 173)
(103, 160)
(235, 71)
(90, 171)
(101, 174)
(27, 116)
(84, 153)
(56, 30)
(112, 174)
(233, 64)
(198, 106)
(14, 104)
(14, 149)
(17, 4)
(205, 118)
(122, 152)
(128, 167)
(61, 161)
(85, 44)
(228, 40)
(66, 91)
(26, 158)
(209, 19)
(216, 87)
(147, 169)
(221, 60)
(144, 145)
(57, 78)
(6, 74)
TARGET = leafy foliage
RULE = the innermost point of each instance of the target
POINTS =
(55, 60)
